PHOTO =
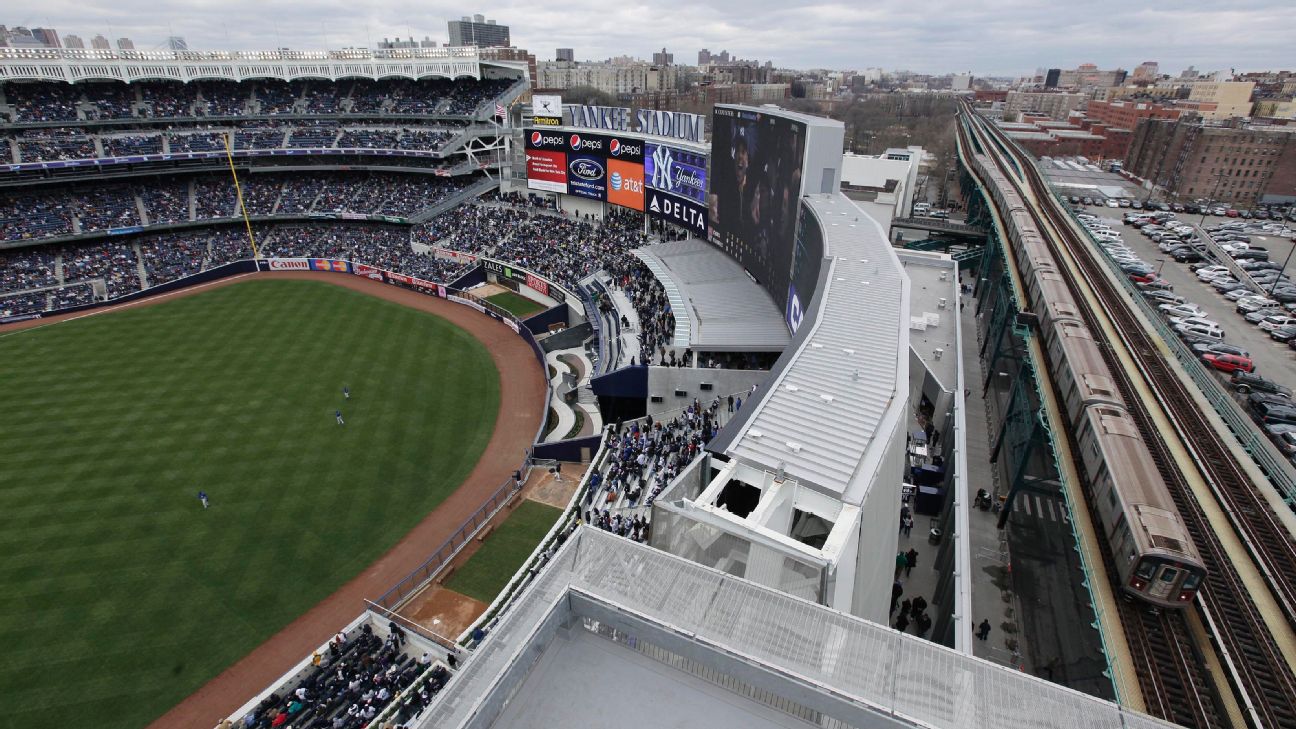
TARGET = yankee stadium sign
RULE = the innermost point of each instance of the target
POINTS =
(678, 125)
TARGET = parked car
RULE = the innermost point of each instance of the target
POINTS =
(1186, 255)
(1156, 283)
(1245, 382)
(1224, 284)
(1219, 348)
(1229, 362)
(1283, 436)
(1248, 304)
(1180, 311)
(1268, 413)
(1283, 334)
(1198, 332)
(1164, 297)
(1270, 323)
(1259, 315)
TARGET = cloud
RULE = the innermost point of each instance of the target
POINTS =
(1000, 37)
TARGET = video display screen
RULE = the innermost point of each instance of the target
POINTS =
(754, 202)
(546, 170)
(676, 171)
(807, 258)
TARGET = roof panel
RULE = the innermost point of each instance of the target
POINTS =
(818, 417)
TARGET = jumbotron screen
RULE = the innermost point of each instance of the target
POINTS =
(756, 163)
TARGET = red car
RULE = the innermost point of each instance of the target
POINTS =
(1229, 362)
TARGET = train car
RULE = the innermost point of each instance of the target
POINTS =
(1156, 560)
(1079, 371)
(1155, 557)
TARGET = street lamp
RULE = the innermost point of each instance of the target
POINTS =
(1160, 262)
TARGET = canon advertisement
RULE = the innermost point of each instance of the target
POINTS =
(676, 171)
(756, 163)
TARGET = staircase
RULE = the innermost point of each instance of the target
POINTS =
(139, 263)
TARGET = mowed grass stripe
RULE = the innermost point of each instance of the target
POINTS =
(119, 595)
(505, 549)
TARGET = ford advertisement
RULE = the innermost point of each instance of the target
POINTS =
(587, 176)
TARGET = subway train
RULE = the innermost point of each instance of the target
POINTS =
(1155, 557)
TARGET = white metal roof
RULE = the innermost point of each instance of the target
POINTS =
(880, 675)
(716, 305)
(818, 417)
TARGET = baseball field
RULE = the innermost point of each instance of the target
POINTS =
(120, 594)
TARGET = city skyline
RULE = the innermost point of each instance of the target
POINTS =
(1014, 38)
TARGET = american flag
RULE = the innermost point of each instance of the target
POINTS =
(499, 111)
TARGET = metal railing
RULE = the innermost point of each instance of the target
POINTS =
(416, 580)
(1259, 448)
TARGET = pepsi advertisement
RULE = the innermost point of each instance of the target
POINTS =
(604, 145)
(676, 171)
(587, 176)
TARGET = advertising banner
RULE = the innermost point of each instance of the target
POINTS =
(547, 110)
(676, 171)
(587, 176)
(399, 278)
(607, 145)
(289, 264)
(625, 184)
(361, 269)
(678, 211)
(325, 264)
(446, 254)
(546, 170)
(537, 283)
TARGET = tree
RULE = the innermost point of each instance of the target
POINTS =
(588, 95)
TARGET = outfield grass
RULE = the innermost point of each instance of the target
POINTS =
(519, 305)
(119, 594)
(503, 552)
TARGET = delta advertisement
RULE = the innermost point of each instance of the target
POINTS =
(677, 211)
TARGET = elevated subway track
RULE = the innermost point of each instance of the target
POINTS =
(1259, 674)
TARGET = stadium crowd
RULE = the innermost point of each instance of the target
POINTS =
(28, 216)
(30, 280)
(648, 297)
(562, 248)
(48, 102)
(348, 684)
(643, 457)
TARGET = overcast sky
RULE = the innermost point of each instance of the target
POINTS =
(1004, 37)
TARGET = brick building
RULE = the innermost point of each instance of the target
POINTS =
(1237, 163)
(1045, 137)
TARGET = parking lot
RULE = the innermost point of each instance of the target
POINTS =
(1273, 360)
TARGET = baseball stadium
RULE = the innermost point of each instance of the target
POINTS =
(346, 388)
